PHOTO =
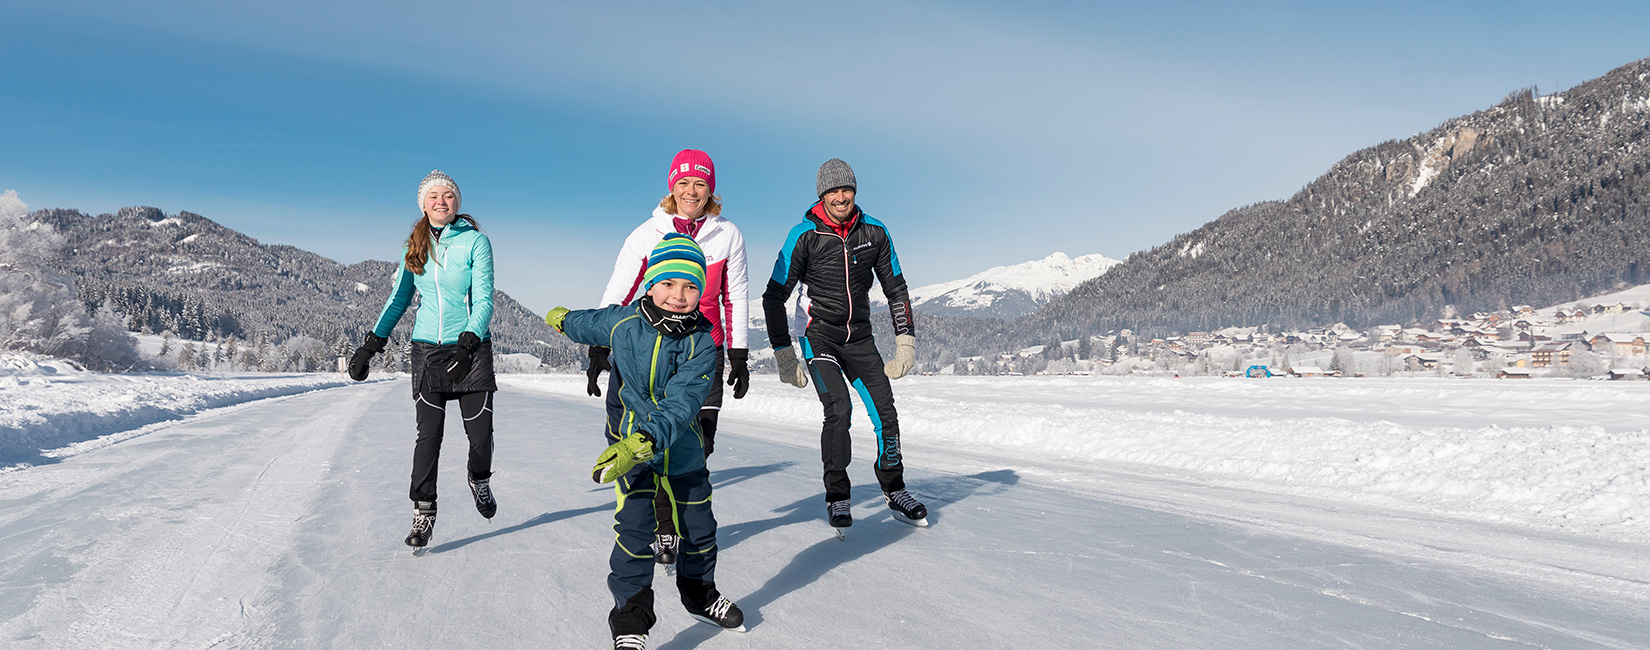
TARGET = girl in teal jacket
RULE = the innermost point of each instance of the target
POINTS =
(449, 263)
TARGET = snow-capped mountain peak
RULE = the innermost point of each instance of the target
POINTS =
(1008, 291)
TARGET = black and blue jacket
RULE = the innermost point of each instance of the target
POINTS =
(838, 270)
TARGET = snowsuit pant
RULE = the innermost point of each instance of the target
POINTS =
(707, 425)
(835, 368)
(476, 408)
(631, 577)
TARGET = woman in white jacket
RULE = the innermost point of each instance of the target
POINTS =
(692, 208)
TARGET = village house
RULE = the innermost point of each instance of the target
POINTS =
(1429, 337)
(1513, 373)
(1398, 349)
(1564, 316)
(1532, 338)
(1618, 344)
(1421, 362)
(1550, 353)
(1481, 348)
(1629, 374)
(1305, 371)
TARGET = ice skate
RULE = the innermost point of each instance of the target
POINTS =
(841, 515)
(723, 614)
(423, 526)
(906, 508)
(482, 490)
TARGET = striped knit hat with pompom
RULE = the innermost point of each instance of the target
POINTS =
(675, 256)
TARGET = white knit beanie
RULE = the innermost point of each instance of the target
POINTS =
(438, 177)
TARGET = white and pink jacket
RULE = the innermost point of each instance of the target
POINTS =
(724, 299)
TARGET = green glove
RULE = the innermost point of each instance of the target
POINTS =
(555, 317)
(620, 457)
(905, 356)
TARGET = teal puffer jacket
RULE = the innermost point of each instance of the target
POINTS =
(665, 379)
(455, 290)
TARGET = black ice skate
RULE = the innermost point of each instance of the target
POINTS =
(630, 642)
(723, 614)
(482, 490)
(841, 515)
(906, 508)
(423, 526)
(664, 549)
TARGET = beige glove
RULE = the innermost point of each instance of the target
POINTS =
(905, 356)
(790, 371)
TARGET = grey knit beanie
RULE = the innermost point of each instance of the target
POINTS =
(834, 174)
(438, 177)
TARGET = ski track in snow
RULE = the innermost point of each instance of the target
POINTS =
(280, 524)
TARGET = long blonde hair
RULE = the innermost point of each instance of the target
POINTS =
(419, 242)
(713, 206)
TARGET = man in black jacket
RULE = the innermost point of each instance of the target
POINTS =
(836, 252)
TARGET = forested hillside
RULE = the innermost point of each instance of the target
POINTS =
(197, 279)
(1536, 200)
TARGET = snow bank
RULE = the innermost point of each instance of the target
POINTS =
(1556, 454)
(48, 404)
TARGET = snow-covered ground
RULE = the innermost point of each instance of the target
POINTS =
(1068, 512)
(1550, 454)
(51, 408)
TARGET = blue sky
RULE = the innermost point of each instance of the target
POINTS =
(982, 133)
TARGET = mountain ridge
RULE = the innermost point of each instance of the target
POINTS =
(199, 279)
(1008, 291)
(1537, 199)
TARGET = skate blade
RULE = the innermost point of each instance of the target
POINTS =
(841, 534)
(919, 523)
(716, 625)
(418, 551)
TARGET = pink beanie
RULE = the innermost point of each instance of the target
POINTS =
(692, 163)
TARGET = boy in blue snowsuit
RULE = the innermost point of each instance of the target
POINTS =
(663, 350)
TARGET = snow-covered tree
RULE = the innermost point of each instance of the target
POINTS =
(186, 356)
(39, 311)
(1464, 365)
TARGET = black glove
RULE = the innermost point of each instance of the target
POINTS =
(598, 363)
(459, 367)
(739, 376)
(363, 356)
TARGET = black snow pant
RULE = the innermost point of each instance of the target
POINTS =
(707, 425)
(476, 408)
(631, 564)
(835, 367)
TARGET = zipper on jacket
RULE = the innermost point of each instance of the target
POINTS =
(848, 290)
(654, 370)
(440, 322)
